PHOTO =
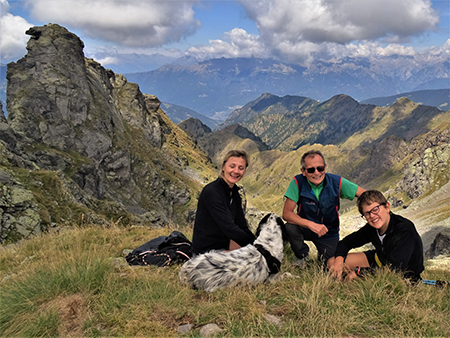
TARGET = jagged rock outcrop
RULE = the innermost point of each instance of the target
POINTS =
(81, 129)
(440, 245)
(430, 159)
(194, 128)
(2, 115)
(19, 213)
(428, 170)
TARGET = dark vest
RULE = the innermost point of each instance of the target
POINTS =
(325, 211)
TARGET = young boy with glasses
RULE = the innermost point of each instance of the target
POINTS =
(395, 238)
(311, 208)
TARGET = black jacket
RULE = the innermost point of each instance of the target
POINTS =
(219, 219)
(401, 249)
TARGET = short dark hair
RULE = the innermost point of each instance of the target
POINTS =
(311, 153)
(236, 153)
(368, 197)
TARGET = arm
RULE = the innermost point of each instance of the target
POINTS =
(350, 190)
(354, 240)
(402, 250)
(359, 191)
(290, 216)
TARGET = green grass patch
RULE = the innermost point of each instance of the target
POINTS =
(68, 285)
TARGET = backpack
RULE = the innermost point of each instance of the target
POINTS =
(162, 251)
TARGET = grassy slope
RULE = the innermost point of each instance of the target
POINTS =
(67, 285)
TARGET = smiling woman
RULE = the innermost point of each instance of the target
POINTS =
(220, 222)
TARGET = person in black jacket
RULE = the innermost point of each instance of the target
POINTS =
(395, 238)
(220, 222)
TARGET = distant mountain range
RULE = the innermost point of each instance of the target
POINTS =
(439, 98)
(289, 122)
(436, 98)
(178, 114)
(216, 87)
(211, 90)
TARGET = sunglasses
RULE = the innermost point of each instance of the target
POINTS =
(312, 170)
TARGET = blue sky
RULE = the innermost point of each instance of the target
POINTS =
(296, 31)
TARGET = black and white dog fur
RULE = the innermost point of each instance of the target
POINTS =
(254, 263)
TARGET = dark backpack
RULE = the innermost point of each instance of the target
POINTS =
(162, 251)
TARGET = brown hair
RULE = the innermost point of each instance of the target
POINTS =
(235, 153)
(368, 197)
(311, 153)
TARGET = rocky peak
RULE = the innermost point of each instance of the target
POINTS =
(107, 146)
(194, 128)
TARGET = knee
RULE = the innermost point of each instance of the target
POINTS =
(294, 233)
(291, 229)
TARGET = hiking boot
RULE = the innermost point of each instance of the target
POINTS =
(301, 262)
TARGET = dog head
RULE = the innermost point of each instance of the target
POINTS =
(271, 217)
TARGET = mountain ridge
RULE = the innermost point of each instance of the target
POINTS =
(209, 86)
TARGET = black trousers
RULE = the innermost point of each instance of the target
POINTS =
(297, 236)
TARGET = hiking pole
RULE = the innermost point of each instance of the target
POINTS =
(437, 283)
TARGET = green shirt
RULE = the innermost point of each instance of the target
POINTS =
(348, 190)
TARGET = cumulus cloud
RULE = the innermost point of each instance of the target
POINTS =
(137, 23)
(296, 30)
(12, 38)
(108, 60)
(320, 21)
(236, 43)
(290, 30)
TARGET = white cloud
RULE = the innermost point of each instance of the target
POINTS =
(109, 60)
(300, 30)
(137, 23)
(236, 43)
(12, 38)
(321, 21)
(368, 49)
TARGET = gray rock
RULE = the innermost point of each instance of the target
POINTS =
(183, 329)
(273, 319)
(210, 330)
(125, 252)
(440, 245)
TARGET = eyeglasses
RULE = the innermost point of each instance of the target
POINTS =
(374, 210)
(312, 170)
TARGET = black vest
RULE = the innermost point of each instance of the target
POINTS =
(325, 211)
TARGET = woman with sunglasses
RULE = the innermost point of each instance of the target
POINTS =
(311, 208)
(395, 238)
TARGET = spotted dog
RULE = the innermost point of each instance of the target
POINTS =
(252, 264)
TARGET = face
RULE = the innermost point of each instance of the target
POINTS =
(379, 216)
(313, 162)
(233, 170)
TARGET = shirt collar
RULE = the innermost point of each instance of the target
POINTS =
(225, 184)
(320, 186)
